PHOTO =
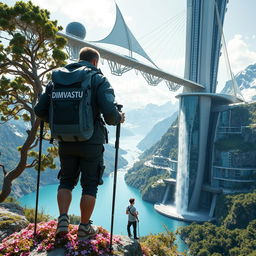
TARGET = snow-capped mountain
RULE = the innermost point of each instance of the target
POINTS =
(246, 81)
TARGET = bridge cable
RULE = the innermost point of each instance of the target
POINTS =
(236, 90)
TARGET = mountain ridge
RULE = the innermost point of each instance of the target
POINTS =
(246, 81)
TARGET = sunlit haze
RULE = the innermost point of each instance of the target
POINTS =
(163, 40)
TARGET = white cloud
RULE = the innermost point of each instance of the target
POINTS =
(240, 54)
(173, 65)
(133, 91)
(95, 14)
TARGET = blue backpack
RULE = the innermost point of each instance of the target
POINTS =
(70, 114)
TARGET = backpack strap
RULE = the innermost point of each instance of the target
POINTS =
(136, 217)
(129, 209)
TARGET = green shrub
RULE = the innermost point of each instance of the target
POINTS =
(41, 216)
(11, 199)
(161, 244)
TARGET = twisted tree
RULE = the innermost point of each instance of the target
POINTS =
(29, 48)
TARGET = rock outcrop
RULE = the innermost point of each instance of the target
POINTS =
(12, 219)
(128, 248)
(154, 193)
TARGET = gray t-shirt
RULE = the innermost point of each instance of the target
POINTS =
(131, 210)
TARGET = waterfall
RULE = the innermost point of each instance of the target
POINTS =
(182, 180)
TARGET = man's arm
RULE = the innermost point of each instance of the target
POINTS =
(106, 101)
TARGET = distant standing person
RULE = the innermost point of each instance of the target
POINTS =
(132, 218)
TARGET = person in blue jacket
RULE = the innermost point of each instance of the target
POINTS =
(83, 158)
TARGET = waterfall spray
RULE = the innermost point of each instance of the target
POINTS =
(182, 180)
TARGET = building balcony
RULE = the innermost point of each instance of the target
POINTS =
(229, 130)
(234, 174)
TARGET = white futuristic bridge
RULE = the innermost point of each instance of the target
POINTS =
(118, 63)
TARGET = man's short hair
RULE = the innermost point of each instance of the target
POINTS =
(131, 200)
(88, 54)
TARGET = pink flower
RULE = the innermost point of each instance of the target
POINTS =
(40, 248)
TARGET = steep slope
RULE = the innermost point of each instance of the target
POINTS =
(142, 176)
(140, 121)
(156, 132)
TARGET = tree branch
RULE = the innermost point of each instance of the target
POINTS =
(17, 64)
(46, 71)
(33, 164)
(17, 72)
(4, 171)
(24, 103)
(10, 176)
(34, 145)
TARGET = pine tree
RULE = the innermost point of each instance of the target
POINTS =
(29, 48)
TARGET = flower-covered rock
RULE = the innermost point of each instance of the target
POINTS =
(24, 242)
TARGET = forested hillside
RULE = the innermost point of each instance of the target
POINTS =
(235, 234)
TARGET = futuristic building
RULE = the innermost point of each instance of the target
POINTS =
(198, 179)
(204, 20)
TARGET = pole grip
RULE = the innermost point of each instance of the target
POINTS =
(119, 108)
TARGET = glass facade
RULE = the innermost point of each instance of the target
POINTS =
(235, 174)
(229, 173)
(192, 123)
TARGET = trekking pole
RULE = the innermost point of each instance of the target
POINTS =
(119, 107)
(138, 228)
(38, 171)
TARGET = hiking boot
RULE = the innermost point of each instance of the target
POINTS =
(86, 231)
(62, 227)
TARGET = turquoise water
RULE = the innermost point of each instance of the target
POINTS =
(151, 222)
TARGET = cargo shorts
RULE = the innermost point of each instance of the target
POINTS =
(78, 158)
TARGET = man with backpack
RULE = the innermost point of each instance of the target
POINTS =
(132, 218)
(73, 104)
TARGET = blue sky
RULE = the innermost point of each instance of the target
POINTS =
(143, 18)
